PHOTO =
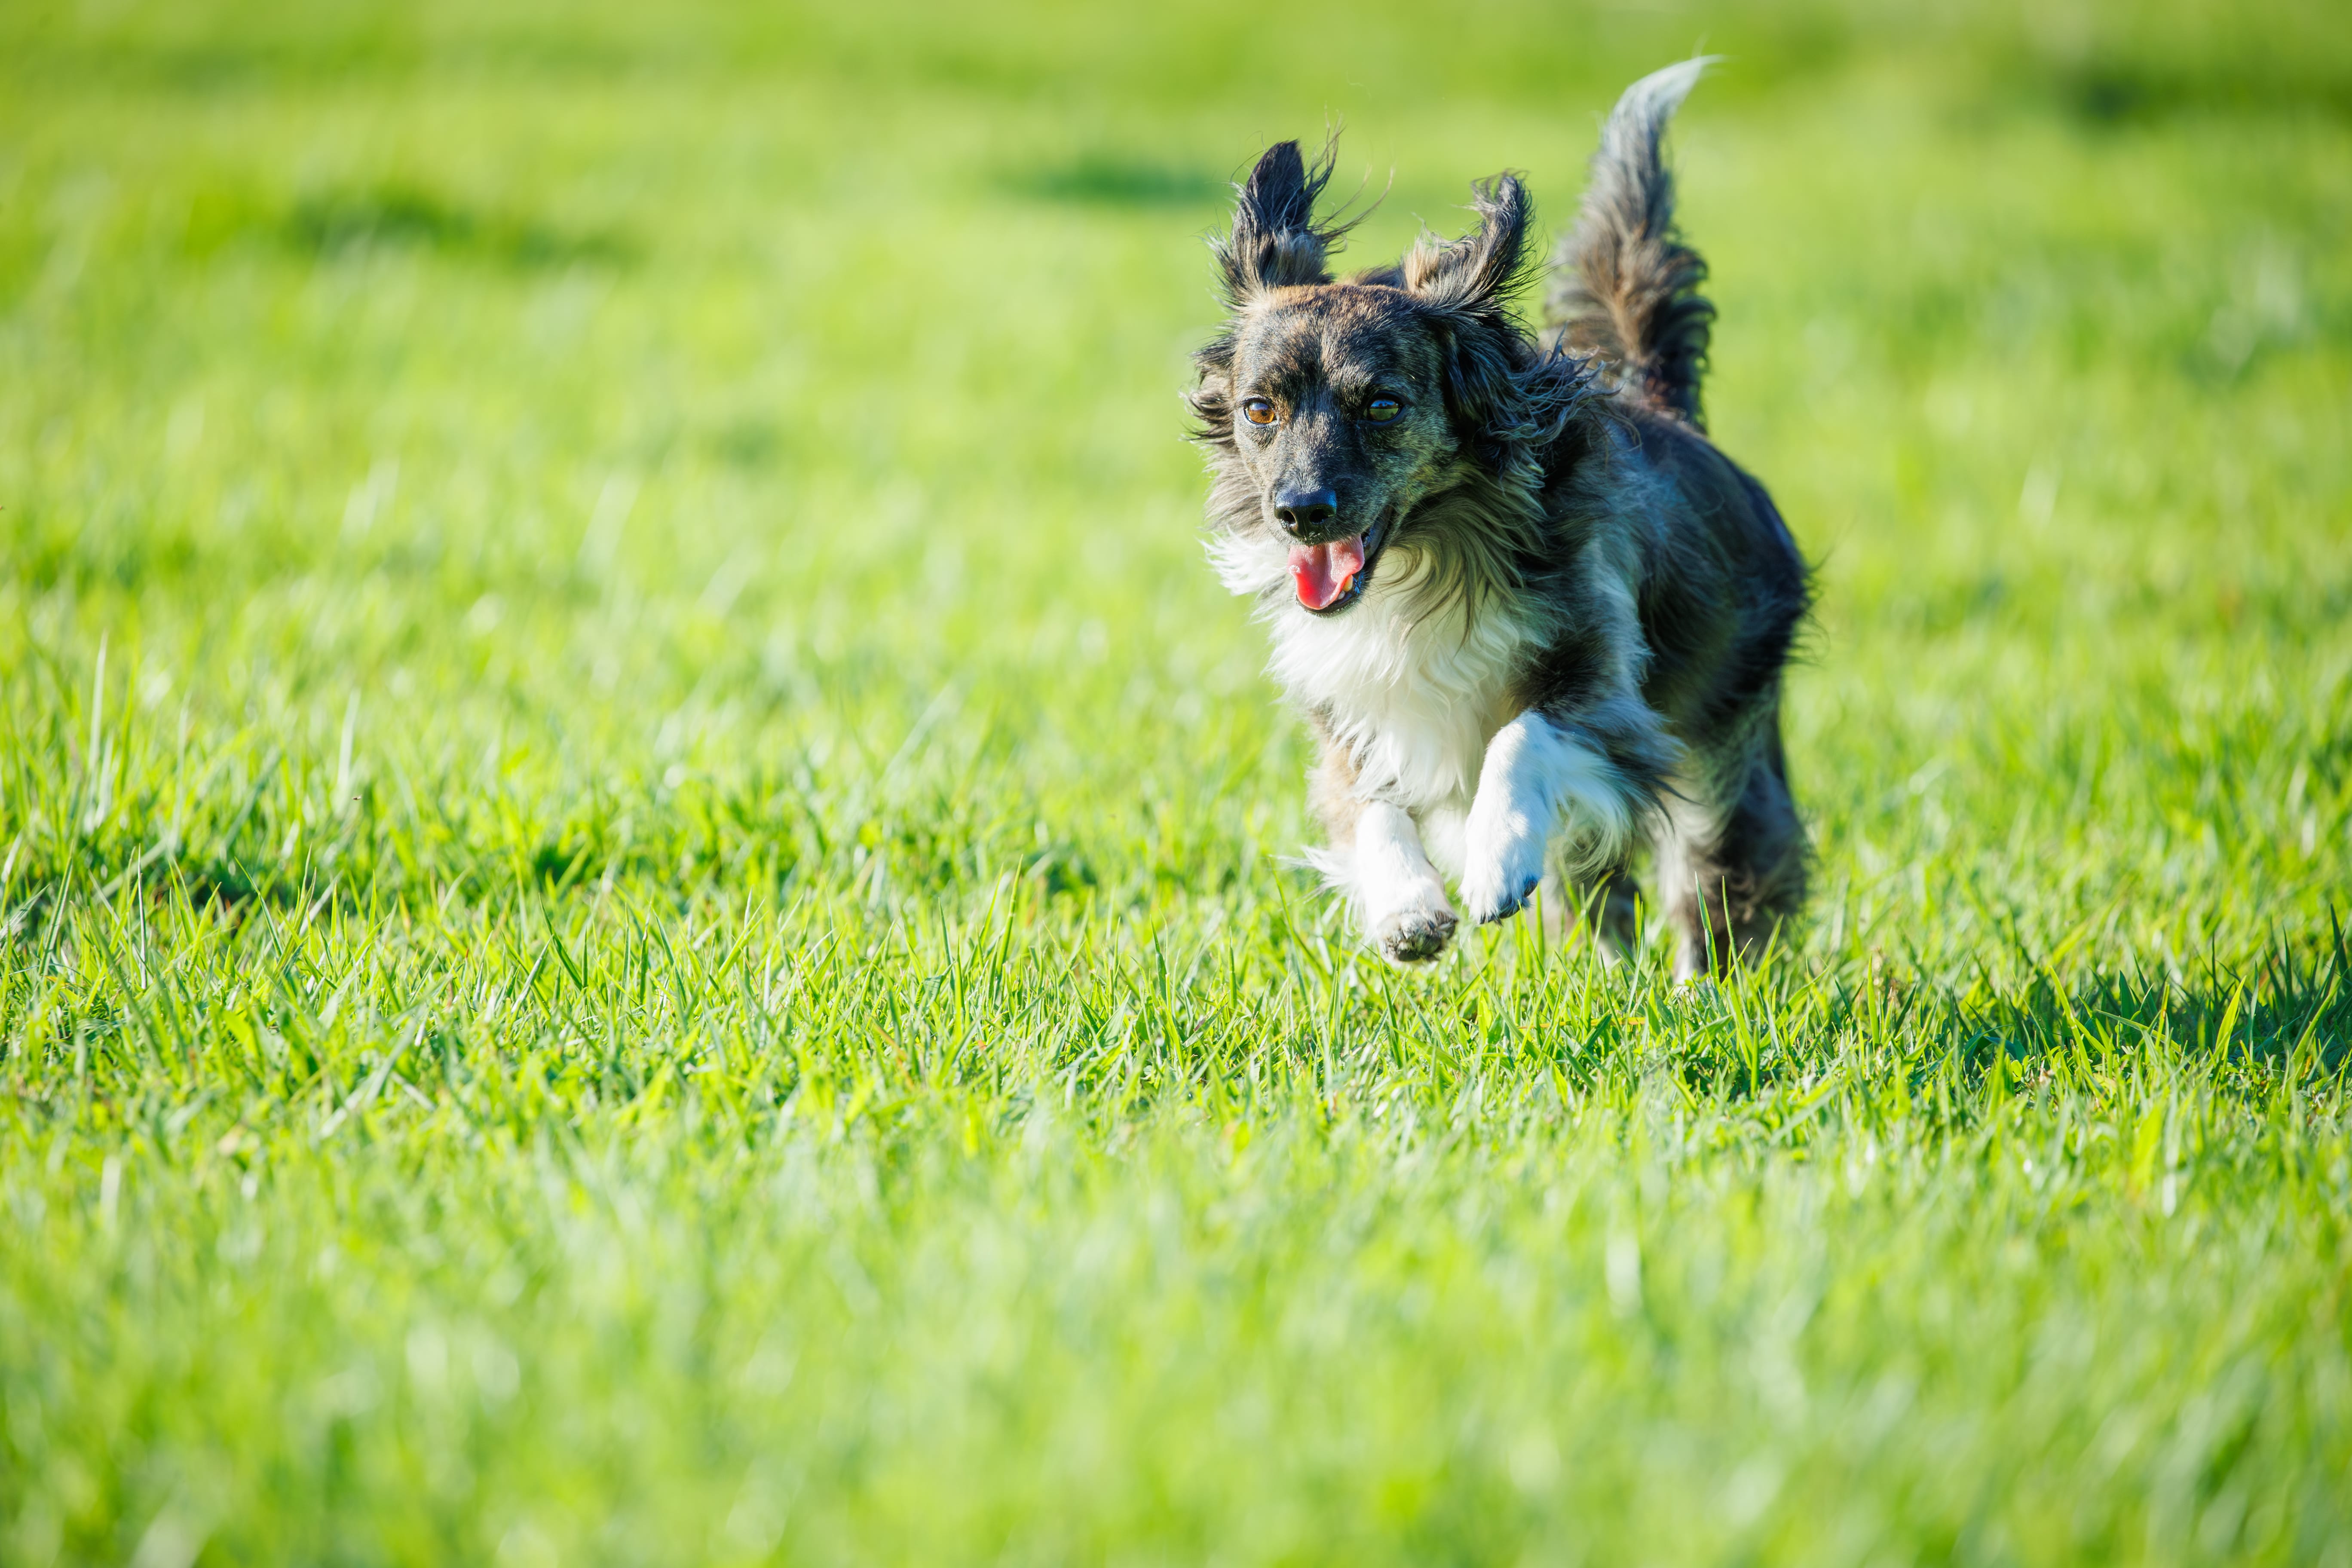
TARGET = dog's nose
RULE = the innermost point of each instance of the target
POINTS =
(1302, 512)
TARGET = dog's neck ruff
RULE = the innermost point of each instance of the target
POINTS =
(1413, 692)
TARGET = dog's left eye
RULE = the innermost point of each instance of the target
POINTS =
(1258, 411)
(1380, 410)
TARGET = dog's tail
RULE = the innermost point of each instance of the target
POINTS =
(1624, 286)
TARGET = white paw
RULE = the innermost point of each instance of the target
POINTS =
(1414, 935)
(1505, 865)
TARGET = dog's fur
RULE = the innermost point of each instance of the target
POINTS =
(1567, 631)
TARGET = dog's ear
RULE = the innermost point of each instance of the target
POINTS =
(1477, 274)
(1275, 241)
(1466, 285)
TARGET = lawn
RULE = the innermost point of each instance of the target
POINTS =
(648, 908)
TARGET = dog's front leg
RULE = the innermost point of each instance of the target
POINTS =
(1375, 858)
(1534, 768)
(1403, 902)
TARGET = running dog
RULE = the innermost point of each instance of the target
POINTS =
(1534, 617)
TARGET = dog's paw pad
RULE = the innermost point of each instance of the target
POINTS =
(1415, 936)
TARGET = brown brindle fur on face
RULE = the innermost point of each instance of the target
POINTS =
(1320, 357)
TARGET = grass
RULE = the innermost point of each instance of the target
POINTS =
(643, 880)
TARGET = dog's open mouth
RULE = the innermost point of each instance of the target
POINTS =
(1329, 578)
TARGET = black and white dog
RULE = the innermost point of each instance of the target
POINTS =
(1533, 616)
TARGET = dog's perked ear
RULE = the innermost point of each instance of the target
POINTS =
(1276, 242)
(1466, 286)
(1477, 274)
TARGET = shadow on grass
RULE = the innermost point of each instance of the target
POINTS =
(2113, 92)
(1120, 182)
(2288, 1015)
(338, 223)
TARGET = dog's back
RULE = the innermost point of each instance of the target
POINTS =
(1726, 589)
(1624, 292)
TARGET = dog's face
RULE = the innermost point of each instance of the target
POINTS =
(1337, 408)
(1339, 417)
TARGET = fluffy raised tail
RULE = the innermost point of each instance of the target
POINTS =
(1624, 286)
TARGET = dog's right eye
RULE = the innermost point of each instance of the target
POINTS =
(1257, 411)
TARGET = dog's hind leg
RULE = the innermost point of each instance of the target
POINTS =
(1602, 908)
(1732, 864)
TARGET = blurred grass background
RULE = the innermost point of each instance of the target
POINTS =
(642, 873)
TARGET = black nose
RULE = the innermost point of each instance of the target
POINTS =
(1304, 511)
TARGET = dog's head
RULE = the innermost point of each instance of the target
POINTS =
(1337, 408)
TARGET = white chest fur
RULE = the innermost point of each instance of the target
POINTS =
(1415, 702)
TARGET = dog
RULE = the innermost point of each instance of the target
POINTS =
(1534, 618)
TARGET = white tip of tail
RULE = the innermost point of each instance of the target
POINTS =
(1645, 106)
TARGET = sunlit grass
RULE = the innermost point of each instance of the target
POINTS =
(644, 880)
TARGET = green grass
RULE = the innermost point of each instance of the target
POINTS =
(643, 902)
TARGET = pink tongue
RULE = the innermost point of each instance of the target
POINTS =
(1322, 572)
